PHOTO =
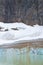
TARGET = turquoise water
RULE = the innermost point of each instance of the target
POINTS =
(20, 57)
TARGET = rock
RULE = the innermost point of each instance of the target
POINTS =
(29, 11)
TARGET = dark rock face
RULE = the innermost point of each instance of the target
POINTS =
(27, 11)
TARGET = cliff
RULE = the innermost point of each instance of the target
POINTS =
(27, 11)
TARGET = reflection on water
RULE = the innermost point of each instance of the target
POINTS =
(24, 56)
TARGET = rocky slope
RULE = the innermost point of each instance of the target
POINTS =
(27, 11)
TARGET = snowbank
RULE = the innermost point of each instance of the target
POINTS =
(23, 33)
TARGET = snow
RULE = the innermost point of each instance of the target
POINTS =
(23, 34)
(13, 25)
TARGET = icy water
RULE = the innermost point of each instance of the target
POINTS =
(20, 57)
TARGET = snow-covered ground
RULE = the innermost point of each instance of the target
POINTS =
(21, 33)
